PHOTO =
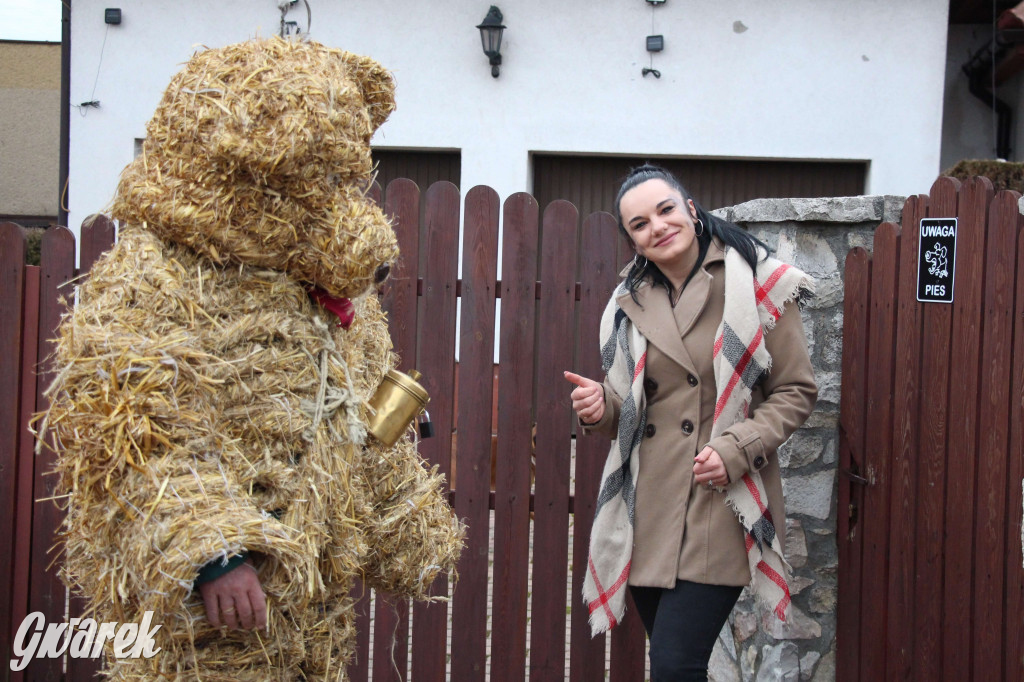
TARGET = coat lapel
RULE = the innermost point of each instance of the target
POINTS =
(696, 294)
(653, 318)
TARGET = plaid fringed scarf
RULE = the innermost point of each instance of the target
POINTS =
(753, 303)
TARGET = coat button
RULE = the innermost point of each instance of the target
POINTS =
(650, 430)
(759, 461)
(687, 426)
(692, 380)
(650, 386)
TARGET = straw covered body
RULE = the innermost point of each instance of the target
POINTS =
(204, 405)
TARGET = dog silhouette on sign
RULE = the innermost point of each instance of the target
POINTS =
(937, 263)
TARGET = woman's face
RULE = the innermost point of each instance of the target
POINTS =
(660, 223)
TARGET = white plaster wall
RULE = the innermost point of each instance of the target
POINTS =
(800, 79)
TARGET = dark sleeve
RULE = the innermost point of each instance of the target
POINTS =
(219, 567)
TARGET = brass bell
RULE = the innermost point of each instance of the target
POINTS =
(396, 403)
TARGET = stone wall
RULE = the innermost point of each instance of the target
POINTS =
(815, 235)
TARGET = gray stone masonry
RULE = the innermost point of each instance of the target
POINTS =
(814, 235)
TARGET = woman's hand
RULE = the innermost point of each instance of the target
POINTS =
(709, 469)
(236, 599)
(587, 398)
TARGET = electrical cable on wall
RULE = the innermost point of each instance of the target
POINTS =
(649, 69)
(92, 101)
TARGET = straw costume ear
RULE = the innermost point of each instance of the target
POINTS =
(377, 85)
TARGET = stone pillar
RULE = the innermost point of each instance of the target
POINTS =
(814, 235)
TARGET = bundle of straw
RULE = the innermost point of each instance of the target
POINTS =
(204, 406)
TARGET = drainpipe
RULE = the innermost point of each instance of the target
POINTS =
(1004, 113)
(65, 111)
(990, 66)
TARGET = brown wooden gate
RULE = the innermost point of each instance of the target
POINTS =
(932, 450)
(506, 622)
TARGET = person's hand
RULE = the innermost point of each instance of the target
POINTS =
(709, 469)
(236, 599)
(587, 398)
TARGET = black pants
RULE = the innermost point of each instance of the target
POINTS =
(683, 624)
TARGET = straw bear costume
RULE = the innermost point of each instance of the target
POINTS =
(210, 399)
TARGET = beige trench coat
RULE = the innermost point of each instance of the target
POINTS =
(684, 530)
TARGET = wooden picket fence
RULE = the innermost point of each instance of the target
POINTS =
(507, 618)
(932, 450)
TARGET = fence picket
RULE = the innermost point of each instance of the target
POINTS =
(598, 275)
(25, 451)
(989, 603)
(875, 514)
(850, 535)
(12, 269)
(512, 484)
(926, 595)
(437, 362)
(627, 664)
(402, 206)
(628, 638)
(472, 478)
(47, 593)
(359, 667)
(11, 291)
(400, 291)
(1013, 648)
(905, 441)
(554, 421)
(975, 196)
(98, 232)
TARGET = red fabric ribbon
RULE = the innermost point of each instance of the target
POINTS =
(342, 307)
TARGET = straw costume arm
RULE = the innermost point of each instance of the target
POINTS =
(410, 531)
(146, 411)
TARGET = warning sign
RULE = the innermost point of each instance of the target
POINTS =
(936, 260)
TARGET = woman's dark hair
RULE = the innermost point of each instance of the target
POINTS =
(730, 234)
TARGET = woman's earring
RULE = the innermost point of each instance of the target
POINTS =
(636, 263)
(695, 232)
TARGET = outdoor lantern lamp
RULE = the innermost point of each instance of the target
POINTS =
(491, 29)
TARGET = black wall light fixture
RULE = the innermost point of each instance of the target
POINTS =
(491, 29)
(112, 15)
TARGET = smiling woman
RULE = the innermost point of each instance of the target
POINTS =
(686, 342)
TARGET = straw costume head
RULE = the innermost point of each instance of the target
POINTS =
(206, 406)
(259, 153)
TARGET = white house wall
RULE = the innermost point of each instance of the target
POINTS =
(800, 79)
